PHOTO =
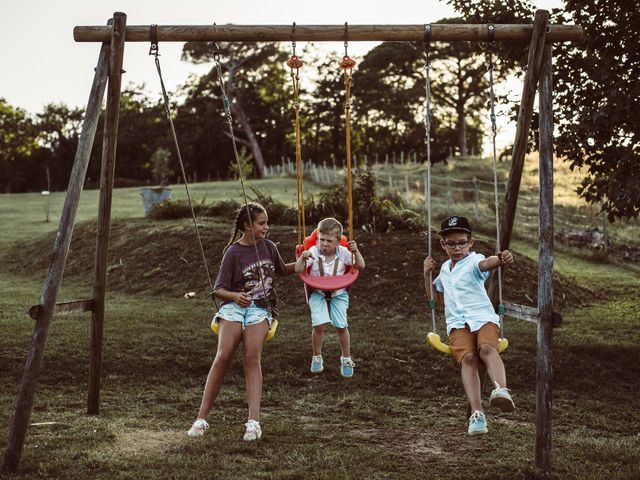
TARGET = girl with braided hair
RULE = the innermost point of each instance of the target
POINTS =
(245, 287)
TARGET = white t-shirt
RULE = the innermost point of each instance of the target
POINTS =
(343, 256)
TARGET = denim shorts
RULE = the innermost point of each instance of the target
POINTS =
(250, 315)
(320, 312)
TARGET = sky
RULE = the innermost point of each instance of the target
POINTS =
(41, 63)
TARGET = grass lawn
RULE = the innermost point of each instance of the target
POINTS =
(402, 416)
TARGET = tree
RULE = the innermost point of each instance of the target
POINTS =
(17, 143)
(391, 95)
(388, 85)
(460, 83)
(59, 129)
(596, 92)
(252, 71)
(598, 96)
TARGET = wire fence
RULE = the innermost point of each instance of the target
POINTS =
(582, 225)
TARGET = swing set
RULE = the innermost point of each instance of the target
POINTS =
(108, 76)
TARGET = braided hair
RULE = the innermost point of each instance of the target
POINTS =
(254, 209)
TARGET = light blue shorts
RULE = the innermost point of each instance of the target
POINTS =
(320, 313)
(250, 315)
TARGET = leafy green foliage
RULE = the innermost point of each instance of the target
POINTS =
(598, 94)
(160, 165)
(596, 90)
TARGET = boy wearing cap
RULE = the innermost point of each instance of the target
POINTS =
(472, 324)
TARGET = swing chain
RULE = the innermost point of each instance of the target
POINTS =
(346, 37)
(293, 38)
(227, 110)
(490, 67)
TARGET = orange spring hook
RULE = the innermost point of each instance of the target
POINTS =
(347, 63)
(294, 62)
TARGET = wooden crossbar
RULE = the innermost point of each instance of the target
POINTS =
(63, 308)
(327, 33)
(521, 312)
(529, 314)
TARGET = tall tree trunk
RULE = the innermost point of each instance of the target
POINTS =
(462, 131)
(251, 140)
(462, 120)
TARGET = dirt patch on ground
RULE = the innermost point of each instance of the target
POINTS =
(146, 442)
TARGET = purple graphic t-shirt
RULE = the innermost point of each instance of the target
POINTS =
(240, 272)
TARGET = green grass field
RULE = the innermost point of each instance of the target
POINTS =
(401, 417)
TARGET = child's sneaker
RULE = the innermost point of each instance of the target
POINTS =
(317, 365)
(501, 398)
(198, 428)
(253, 432)
(477, 423)
(346, 367)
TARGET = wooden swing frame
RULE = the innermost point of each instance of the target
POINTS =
(109, 67)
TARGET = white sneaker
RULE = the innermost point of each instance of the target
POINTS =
(477, 423)
(501, 398)
(317, 365)
(253, 432)
(198, 428)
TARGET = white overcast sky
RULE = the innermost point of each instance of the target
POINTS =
(41, 63)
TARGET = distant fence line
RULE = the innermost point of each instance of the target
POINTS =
(447, 191)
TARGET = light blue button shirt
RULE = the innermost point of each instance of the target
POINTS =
(465, 298)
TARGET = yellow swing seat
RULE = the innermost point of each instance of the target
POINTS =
(270, 333)
(433, 339)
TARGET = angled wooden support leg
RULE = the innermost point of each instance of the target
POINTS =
(33, 365)
(112, 115)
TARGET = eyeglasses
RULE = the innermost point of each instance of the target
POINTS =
(453, 245)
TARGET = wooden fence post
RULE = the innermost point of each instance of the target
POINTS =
(475, 195)
(110, 142)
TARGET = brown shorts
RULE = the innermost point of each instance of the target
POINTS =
(463, 341)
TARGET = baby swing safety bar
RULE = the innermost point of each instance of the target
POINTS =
(335, 282)
(433, 338)
(154, 50)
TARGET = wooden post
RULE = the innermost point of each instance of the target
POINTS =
(605, 231)
(545, 273)
(524, 122)
(110, 142)
(534, 61)
(33, 365)
(426, 192)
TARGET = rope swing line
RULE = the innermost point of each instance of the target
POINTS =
(433, 338)
(347, 65)
(332, 282)
(491, 30)
(427, 136)
(294, 64)
(154, 50)
(227, 112)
